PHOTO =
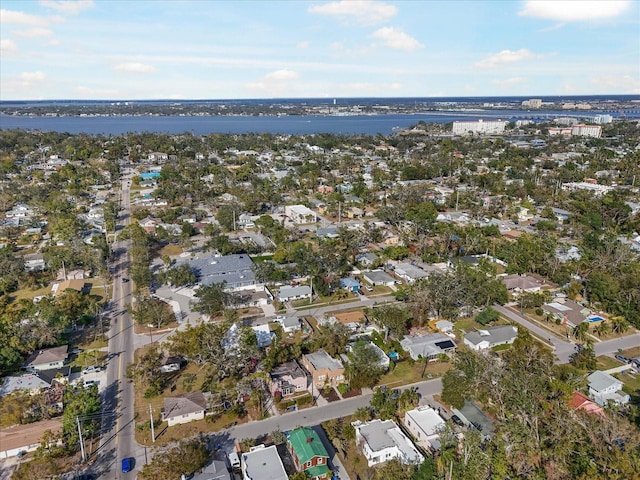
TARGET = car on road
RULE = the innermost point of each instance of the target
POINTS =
(127, 464)
(622, 358)
(125, 280)
(87, 476)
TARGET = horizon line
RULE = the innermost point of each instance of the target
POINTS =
(271, 99)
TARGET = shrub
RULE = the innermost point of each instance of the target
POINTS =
(343, 388)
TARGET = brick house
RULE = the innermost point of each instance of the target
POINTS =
(308, 453)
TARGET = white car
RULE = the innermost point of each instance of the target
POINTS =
(91, 369)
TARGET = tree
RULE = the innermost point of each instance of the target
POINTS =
(394, 469)
(584, 358)
(487, 316)
(83, 402)
(178, 276)
(333, 337)
(212, 299)
(581, 331)
(152, 311)
(185, 458)
(363, 369)
(395, 318)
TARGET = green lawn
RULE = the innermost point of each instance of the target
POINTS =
(631, 383)
(407, 372)
(605, 362)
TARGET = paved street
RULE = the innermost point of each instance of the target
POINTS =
(563, 349)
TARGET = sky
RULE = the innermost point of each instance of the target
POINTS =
(154, 49)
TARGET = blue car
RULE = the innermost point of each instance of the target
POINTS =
(127, 464)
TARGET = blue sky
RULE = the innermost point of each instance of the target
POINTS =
(355, 48)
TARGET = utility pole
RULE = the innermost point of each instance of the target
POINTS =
(153, 432)
(81, 441)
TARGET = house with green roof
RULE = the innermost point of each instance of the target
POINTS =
(308, 453)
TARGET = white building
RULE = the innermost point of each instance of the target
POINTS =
(492, 127)
(491, 337)
(288, 293)
(604, 388)
(263, 463)
(600, 119)
(382, 441)
(594, 131)
(532, 103)
(425, 424)
(596, 189)
(300, 214)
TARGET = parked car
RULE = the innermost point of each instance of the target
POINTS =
(368, 288)
(622, 358)
(92, 369)
(127, 464)
(456, 419)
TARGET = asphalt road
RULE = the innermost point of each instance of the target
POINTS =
(118, 424)
(563, 349)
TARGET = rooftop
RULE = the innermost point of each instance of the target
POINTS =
(235, 270)
(321, 360)
(184, 404)
(263, 463)
(381, 435)
(47, 355)
(307, 444)
(426, 418)
(493, 335)
(23, 435)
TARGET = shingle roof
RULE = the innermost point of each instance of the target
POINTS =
(47, 355)
(184, 404)
(306, 444)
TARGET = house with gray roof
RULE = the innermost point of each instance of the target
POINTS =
(184, 408)
(491, 337)
(382, 441)
(47, 358)
(288, 293)
(409, 272)
(605, 388)
(473, 416)
(378, 277)
(263, 463)
(427, 346)
(236, 271)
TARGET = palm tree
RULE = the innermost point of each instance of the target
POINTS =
(601, 329)
(580, 331)
(619, 324)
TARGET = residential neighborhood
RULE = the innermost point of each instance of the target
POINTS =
(382, 303)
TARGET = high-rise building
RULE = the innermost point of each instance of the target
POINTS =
(492, 127)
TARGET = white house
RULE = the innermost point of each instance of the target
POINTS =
(379, 277)
(47, 359)
(300, 214)
(382, 441)
(427, 346)
(289, 324)
(491, 337)
(184, 408)
(603, 387)
(288, 293)
(263, 463)
(424, 424)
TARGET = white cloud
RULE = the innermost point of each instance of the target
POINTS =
(134, 67)
(509, 82)
(613, 83)
(552, 28)
(302, 45)
(34, 32)
(574, 10)
(396, 38)
(8, 46)
(507, 56)
(281, 75)
(362, 12)
(21, 18)
(67, 7)
(33, 76)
